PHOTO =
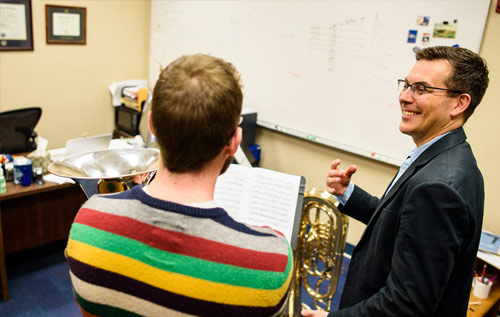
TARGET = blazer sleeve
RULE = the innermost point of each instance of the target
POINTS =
(360, 206)
(433, 223)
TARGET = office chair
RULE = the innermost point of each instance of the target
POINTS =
(17, 133)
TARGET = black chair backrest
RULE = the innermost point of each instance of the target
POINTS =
(17, 127)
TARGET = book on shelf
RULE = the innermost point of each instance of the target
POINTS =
(131, 103)
(134, 97)
(130, 92)
(262, 197)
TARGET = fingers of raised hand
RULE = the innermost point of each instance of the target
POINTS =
(334, 164)
(351, 170)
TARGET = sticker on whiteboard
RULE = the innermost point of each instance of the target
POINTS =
(423, 20)
(445, 29)
(412, 36)
(426, 38)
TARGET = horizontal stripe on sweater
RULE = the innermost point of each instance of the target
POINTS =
(104, 302)
(89, 277)
(198, 288)
(181, 219)
(180, 243)
(178, 263)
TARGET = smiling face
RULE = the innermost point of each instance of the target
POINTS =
(433, 113)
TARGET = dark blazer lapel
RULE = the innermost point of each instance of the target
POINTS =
(454, 138)
(402, 179)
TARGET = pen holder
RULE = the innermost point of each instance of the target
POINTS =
(481, 290)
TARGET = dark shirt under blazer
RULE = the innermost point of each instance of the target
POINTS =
(417, 254)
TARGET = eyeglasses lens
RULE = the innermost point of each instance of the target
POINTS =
(402, 86)
(415, 89)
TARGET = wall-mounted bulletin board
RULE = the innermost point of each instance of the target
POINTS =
(325, 71)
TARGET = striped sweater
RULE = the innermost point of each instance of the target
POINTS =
(134, 255)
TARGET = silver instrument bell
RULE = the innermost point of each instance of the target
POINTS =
(108, 171)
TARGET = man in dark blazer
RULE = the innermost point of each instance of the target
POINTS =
(417, 254)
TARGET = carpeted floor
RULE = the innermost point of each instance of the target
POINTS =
(39, 284)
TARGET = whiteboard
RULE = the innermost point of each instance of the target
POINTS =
(325, 71)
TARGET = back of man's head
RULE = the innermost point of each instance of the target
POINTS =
(470, 72)
(196, 108)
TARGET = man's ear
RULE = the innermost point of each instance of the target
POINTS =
(462, 104)
(233, 145)
(150, 124)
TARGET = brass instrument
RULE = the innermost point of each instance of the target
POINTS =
(108, 171)
(318, 256)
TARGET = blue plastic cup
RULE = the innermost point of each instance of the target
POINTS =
(27, 175)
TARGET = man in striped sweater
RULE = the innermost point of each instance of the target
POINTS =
(166, 249)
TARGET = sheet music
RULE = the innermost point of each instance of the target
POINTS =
(259, 196)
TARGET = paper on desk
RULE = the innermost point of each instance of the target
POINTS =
(120, 144)
(116, 88)
(56, 154)
(129, 143)
(57, 179)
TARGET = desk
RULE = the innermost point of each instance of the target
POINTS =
(491, 303)
(33, 216)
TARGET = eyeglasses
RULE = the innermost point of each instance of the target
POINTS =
(420, 89)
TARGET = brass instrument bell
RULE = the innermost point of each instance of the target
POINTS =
(108, 171)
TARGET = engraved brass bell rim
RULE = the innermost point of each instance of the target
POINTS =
(107, 164)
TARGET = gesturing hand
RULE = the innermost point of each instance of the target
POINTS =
(337, 179)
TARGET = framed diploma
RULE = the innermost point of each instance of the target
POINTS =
(16, 28)
(65, 25)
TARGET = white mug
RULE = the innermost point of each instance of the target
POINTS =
(481, 290)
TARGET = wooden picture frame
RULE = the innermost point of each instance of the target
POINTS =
(16, 33)
(65, 25)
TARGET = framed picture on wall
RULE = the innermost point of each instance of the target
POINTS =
(16, 28)
(65, 25)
